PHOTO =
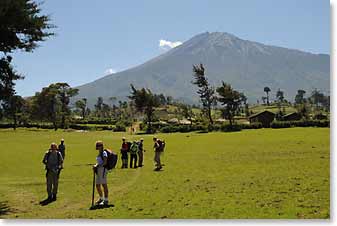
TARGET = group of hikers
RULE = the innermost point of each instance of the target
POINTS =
(105, 161)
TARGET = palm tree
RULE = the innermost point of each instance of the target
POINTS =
(267, 90)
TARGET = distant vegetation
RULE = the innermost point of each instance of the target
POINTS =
(222, 109)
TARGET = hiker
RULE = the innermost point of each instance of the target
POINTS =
(158, 149)
(124, 153)
(53, 161)
(133, 154)
(62, 149)
(140, 152)
(101, 174)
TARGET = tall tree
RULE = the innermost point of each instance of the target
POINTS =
(65, 92)
(22, 25)
(99, 106)
(230, 99)
(144, 101)
(205, 91)
(299, 98)
(8, 76)
(47, 106)
(14, 107)
(280, 100)
(82, 106)
(267, 90)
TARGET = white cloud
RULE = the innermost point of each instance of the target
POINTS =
(110, 71)
(166, 45)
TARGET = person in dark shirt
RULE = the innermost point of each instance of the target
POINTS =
(62, 149)
(140, 152)
(53, 161)
(124, 152)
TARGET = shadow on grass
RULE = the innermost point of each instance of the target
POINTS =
(45, 202)
(4, 209)
(97, 207)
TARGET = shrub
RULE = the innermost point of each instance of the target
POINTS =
(301, 123)
(231, 128)
(120, 127)
(255, 125)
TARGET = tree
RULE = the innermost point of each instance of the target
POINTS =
(320, 100)
(230, 99)
(280, 95)
(299, 98)
(187, 112)
(144, 101)
(47, 106)
(267, 90)
(22, 25)
(82, 106)
(280, 100)
(14, 107)
(99, 106)
(112, 100)
(205, 91)
(51, 104)
(106, 110)
(263, 100)
(65, 92)
(7, 85)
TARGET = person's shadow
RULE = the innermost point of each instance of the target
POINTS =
(45, 202)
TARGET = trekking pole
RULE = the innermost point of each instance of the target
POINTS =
(93, 190)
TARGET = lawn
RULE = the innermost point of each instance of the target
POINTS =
(265, 173)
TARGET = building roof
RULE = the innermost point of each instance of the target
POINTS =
(260, 113)
(292, 113)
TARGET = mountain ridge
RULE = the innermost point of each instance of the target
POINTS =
(226, 57)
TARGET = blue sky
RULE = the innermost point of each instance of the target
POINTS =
(98, 36)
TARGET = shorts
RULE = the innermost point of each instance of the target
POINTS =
(101, 176)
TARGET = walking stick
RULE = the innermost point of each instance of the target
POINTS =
(93, 191)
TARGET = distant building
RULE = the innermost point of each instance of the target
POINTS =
(264, 117)
(294, 116)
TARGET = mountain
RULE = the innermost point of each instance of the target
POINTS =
(248, 66)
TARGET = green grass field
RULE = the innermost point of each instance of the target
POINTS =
(266, 173)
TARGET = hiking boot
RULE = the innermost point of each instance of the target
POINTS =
(104, 203)
(99, 201)
(53, 198)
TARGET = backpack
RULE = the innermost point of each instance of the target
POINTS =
(134, 148)
(111, 159)
(58, 157)
(161, 145)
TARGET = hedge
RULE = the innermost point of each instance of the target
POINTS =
(301, 123)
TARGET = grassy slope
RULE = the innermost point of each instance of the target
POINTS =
(250, 174)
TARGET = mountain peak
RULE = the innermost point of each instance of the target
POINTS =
(247, 65)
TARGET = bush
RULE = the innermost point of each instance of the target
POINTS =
(94, 121)
(182, 128)
(6, 125)
(120, 127)
(301, 123)
(231, 128)
(255, 125)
